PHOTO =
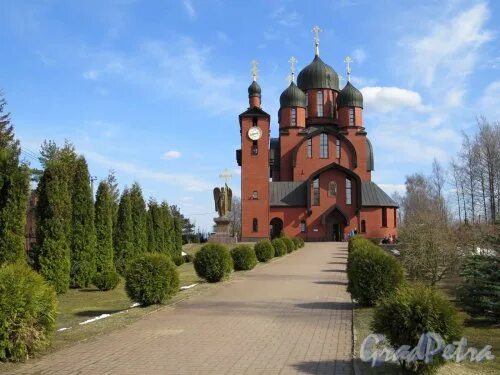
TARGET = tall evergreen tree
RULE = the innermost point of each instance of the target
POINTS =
(53, 218)
(177, 237)
(150, 228)
(14, 187)
(124, 238)
(83, 236)
(104, 228)
(139, 219)
(115, 195)
(168, 229)
(157, 242)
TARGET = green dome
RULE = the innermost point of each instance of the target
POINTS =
(254, 89)
(293, 97)
(318, 75)
(350, 96)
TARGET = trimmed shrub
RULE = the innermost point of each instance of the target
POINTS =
(279, 247)
(301, 242)
(178, 260)
(356, 241)
(151, 278)
(27, 312)
(411, 311)
(296, 242)
(372, 273)
(243, 258)
(479, 290)
(264, 250)
(290, 245)
(213, 262)
(106, 280)
(188, 258)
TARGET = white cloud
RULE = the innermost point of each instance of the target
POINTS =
(450, 49)
(387, 99)
(91, 75)
(223, 37)
(286, 17)
(189, 8)
(490, 101)
(185, 181)
(172, 154)
(393, 188)
(359, 55)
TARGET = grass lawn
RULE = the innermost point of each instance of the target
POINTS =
(478, 332)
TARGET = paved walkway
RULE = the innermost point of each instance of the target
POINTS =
(290, 316)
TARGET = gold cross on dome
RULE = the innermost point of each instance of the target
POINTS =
(226, 175)
(348, 60)
(255, 69)
(292, 62)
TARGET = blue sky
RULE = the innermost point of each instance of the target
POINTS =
(153, 89)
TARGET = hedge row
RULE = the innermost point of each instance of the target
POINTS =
(214, 262)
(403, 311)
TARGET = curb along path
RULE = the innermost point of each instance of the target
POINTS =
(291, 316)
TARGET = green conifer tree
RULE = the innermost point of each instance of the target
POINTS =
(124, 238)
(83, 236)
(150, 227)
(157, 219)
(139, 219)
(168, 230)
(104, 228)
(53, 217)
(177, 237)
(14, 189)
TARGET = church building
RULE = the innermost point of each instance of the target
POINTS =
(314, 180)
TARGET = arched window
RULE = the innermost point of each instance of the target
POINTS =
(323, 146)
(384, 217)
(315, 186)
(310, 148)
(363, 226)
(351, 117)
(294, 117)
(255, 148)
(255, 225)
(255, 195)
(319, 103)
(303, 226)
(348, 191)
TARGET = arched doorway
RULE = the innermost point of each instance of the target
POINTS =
(276, 227)
(334, 221)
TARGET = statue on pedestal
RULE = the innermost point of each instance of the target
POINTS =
(223, 200)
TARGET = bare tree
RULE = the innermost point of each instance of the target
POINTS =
(469, 161)
(236, 217)
(455, 178)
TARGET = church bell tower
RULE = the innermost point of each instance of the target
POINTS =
(253, 157)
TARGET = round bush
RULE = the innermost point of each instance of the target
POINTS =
(279, 247)
(372, 273)
(213, 262)
(27, 312)
(264, 250)
(151, 278)
(178, 260)
(243, 258)
(409, 312)
(296, 242)
(106, 280)
(290, 246)
(188, 258)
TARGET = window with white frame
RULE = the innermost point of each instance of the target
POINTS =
(337, 144)
(294, 117)
(351, 117)
(303, 226)
(319, 103)
(323, 146)
(310, 148)
(315, 186)
(348, 191)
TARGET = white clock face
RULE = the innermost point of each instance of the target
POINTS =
(254, 133)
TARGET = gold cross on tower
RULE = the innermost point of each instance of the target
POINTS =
(255, 69)
(348, 62)
(226, 175)
(292, 62)
(316, 30)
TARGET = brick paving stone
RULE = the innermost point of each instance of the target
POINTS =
(291, 316)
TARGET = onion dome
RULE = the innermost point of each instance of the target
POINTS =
(350, 96)
(254, 89)
(318, 75)
(293, 97)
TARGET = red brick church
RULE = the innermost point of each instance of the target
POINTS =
(314, 180)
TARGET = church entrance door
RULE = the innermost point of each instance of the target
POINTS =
(334, 226)
(276, 227)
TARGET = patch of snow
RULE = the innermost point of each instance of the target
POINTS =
(396, 252)
(183, 253)
(188, 286)
(135, 304)
(102, 316)
(63, 329)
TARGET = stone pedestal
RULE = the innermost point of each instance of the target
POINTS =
(222, 231)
